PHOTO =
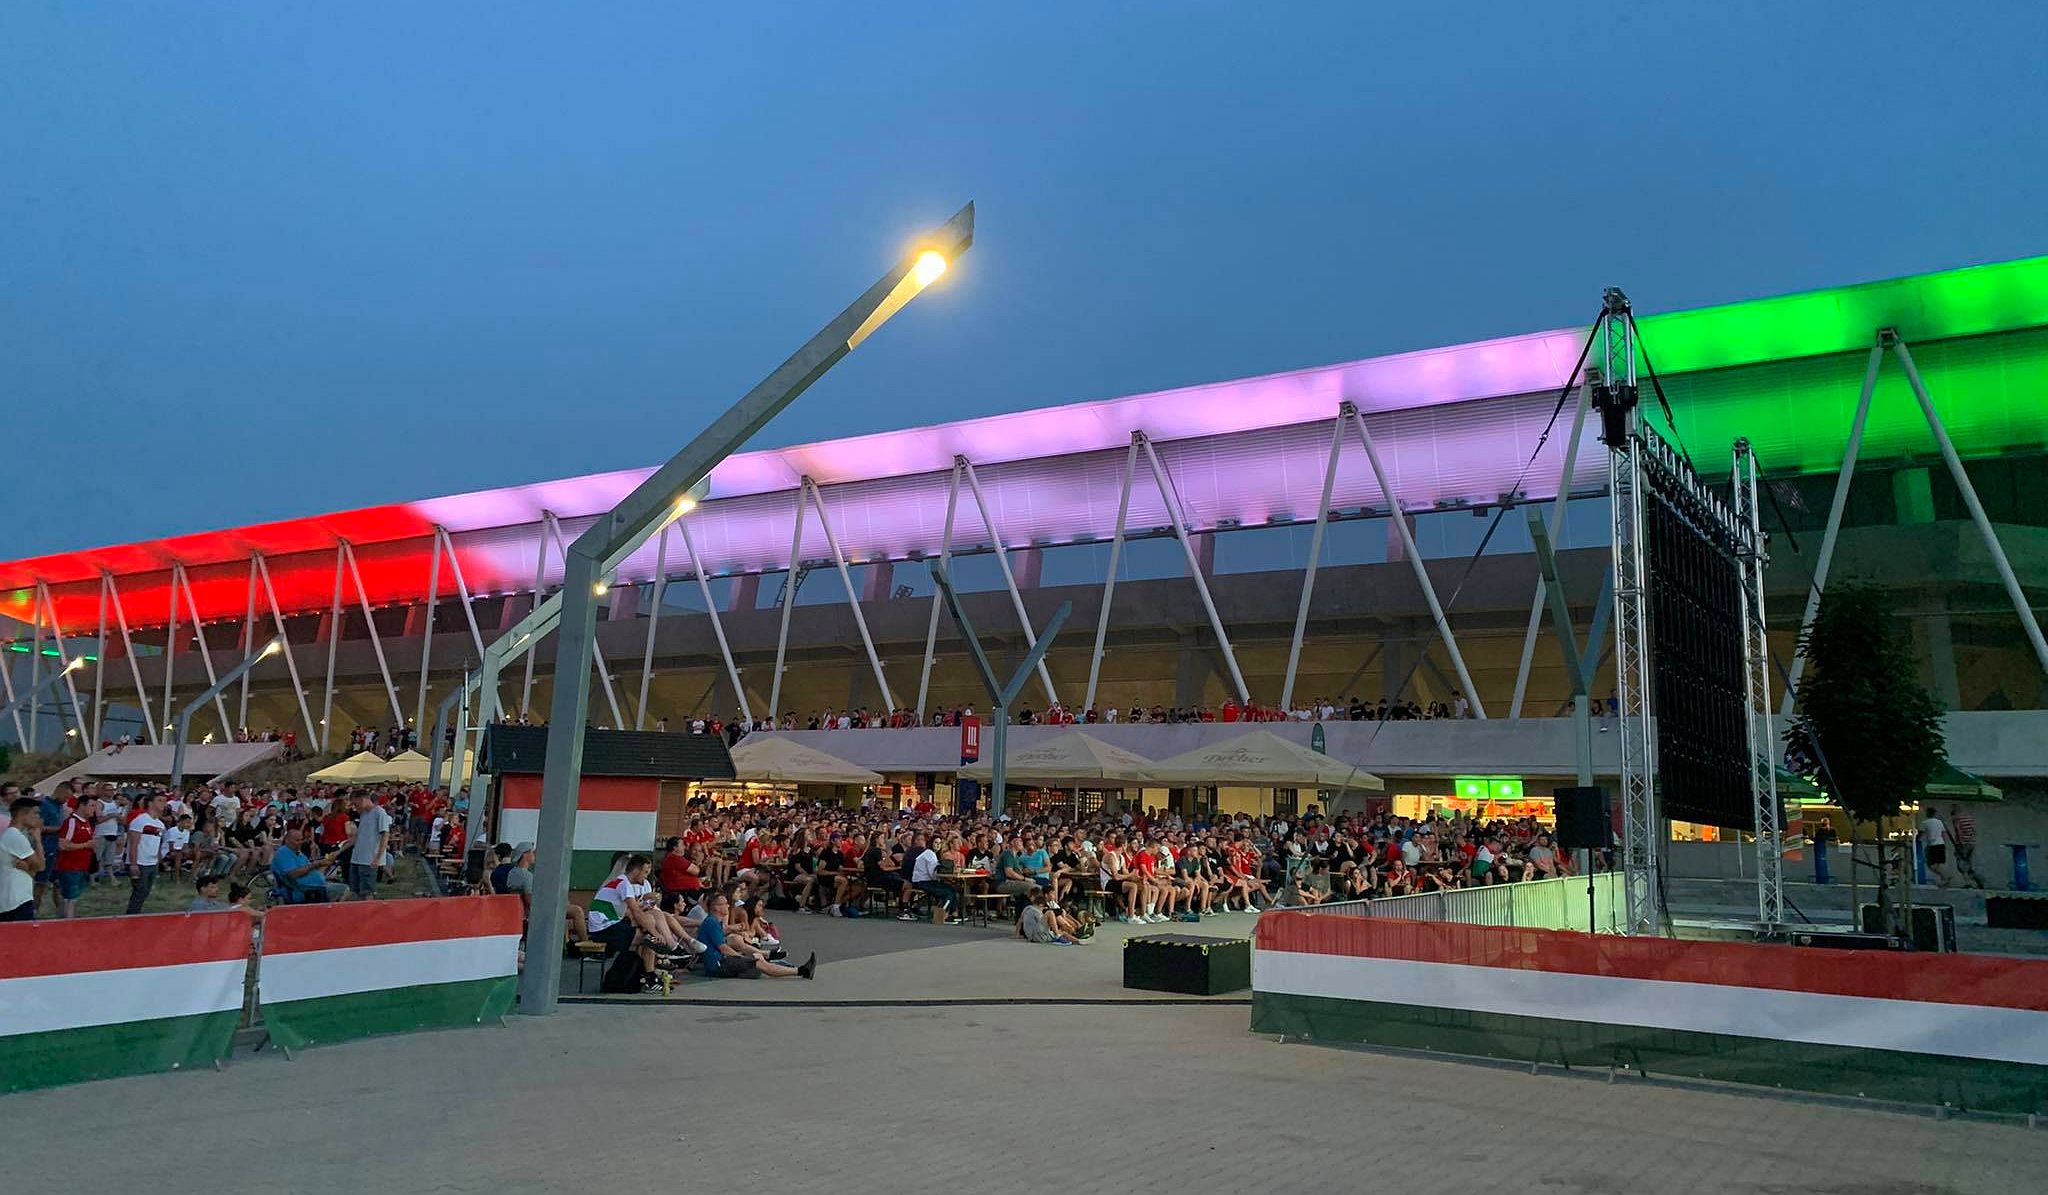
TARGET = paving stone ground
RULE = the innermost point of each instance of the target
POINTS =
(1076, 1100)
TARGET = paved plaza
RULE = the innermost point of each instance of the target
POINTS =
(983, 1097)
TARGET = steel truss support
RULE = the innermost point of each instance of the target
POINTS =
(334, 624)
(1178, 516)
(13, 710)
(99, 674)
(1839, 503)
(419, 717)
(1400, 518)
(348, 554)
(550, 526)
(113, 593)
(796, 548)
(1315, 559)
(220, 705)
(1557, 513)
(248, 644)
(540, 572)
(656, 596)
(1756, 672)
(852, 598)
(291, 658)
(931, 633)
(49, 610)
(1116, 551)
(170, 649)
(1614, 395)
(995, 535)
(732, 668)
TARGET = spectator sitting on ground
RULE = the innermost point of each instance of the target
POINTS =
(724, 959)
(1039, 923)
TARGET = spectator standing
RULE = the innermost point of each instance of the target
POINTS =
(373, 827)
(145, 850)
(21, 860)
(1962, 834)
(1934, 838)
(54, 809)
(74, 855)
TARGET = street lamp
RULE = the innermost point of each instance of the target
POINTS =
(185, 715)
(49, 682)
(598, 552)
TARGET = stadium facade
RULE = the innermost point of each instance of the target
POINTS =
(1206, 497)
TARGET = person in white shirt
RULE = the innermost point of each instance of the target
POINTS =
(145, 850)
(1110, 716)
(924, 876)
(21, 860)
(1934, 838)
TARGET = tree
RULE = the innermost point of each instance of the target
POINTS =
(1871, 729)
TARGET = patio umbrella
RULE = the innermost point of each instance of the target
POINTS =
(784, 761)
(1066, 760)
(364, 767)
(1951, 781)
(1261, 759)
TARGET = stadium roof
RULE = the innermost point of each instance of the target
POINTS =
(1455, 424)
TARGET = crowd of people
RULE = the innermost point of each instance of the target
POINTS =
(1324, 709)
(286, 844)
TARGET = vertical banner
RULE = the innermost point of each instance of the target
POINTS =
(970, 739)
(105, 996)
(333, 972)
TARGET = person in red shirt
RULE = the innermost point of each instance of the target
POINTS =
(680, 875)
(334, 826)
(75, 859)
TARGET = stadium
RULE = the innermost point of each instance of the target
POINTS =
(1224, 544)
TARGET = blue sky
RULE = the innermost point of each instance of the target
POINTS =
(276, 259)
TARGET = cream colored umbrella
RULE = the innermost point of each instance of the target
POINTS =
(1068, 759)
(784, 761)
(407, 766)
(364, 767)
(1261, 759)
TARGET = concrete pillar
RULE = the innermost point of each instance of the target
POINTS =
(1393, 666)
(880, 583)
(416, 620)
(1913, 496)
(1936, 636)
(328, 628)
(1396, 549)
(1192, 669)
(1205, 552)
(517, 606)
(745, 593)
(1028, 566)
(624, 603)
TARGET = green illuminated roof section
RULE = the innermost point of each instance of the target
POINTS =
(2000, 297)
(1991, 393)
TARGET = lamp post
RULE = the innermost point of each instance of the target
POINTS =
(185, 715)
(595, 556)
(999, 696)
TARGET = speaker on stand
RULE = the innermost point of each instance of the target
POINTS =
(1583, 825)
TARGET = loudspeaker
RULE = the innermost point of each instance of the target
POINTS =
(1582, 818)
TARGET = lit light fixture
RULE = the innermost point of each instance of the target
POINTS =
(600, 588)
(271, 648)
(71, 732)
(75, 664)
(924, 270)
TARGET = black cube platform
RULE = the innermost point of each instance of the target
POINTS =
(1189, 965)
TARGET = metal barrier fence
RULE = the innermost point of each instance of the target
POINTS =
(1532, 904)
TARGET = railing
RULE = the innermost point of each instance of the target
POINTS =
(1532, 904)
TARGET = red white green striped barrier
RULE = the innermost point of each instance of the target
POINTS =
(1966, 1031)
(333, 972)
(100, 997)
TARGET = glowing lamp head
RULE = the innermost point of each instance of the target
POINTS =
(684, 505)
(272, 648)
(75, 664)
(930, 264)
(600, 589)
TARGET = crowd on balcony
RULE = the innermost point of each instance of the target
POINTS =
(863, 718)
